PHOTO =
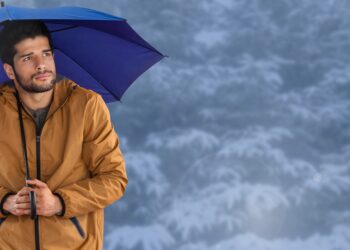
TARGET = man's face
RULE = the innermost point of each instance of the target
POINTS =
(33, 65)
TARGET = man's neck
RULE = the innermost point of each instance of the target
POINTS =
(36, 101)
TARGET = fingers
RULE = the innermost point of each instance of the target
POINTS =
(22, 206)
(40, 188)
(18, 205)
(24, 191)
(19, 212)
(22, 199)
(36, 183)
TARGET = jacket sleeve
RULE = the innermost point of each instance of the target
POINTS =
(4, 193)
(102, 155)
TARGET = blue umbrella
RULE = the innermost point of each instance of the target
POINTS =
(96, 50)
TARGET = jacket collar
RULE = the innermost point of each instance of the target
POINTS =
(63, 88)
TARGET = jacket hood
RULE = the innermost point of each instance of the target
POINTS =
(63, 88)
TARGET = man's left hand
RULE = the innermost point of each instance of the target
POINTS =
(47, 204)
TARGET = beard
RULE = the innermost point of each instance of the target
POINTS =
(31, 87)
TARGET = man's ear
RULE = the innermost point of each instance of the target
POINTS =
(9, 71)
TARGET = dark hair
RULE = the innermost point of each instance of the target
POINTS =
(14, 32)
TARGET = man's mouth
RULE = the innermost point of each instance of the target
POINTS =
(42, 76)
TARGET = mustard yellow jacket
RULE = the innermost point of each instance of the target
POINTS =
(80, 160)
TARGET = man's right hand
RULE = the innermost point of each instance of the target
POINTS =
(18, 204)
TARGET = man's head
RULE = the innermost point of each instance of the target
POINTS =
(27, 53)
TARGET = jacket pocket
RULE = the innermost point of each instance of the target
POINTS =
(76, 223)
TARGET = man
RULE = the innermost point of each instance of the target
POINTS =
(74, 161)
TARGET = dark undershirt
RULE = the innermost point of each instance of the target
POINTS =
(39, 117)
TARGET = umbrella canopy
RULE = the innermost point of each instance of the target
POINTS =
(97, 50)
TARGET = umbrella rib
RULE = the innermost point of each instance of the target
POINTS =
(147, 47)
(109, 33)
(63, 29)
(110, 92)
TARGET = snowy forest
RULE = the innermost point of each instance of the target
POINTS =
(240, 139)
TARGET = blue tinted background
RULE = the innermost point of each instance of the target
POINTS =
(239, 140)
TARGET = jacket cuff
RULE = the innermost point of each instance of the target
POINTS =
(2, 210)
(63, 205)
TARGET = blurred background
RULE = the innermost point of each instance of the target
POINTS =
(240, 139)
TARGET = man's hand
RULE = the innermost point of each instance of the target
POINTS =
(18, 204)
(47, 204)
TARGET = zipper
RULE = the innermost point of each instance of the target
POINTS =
(38, 166)
(36, 227)
(38, 176)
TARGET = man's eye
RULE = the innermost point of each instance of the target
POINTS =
(47, 54)
(27, 58)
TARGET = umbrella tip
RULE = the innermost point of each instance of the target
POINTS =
(2, 3)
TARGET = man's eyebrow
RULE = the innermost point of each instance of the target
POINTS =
(24, 55)
(31, 53)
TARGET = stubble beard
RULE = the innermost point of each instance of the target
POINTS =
(31, 87)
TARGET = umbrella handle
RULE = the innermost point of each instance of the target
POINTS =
(32, 199)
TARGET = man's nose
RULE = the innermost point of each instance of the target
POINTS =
(40, 64)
